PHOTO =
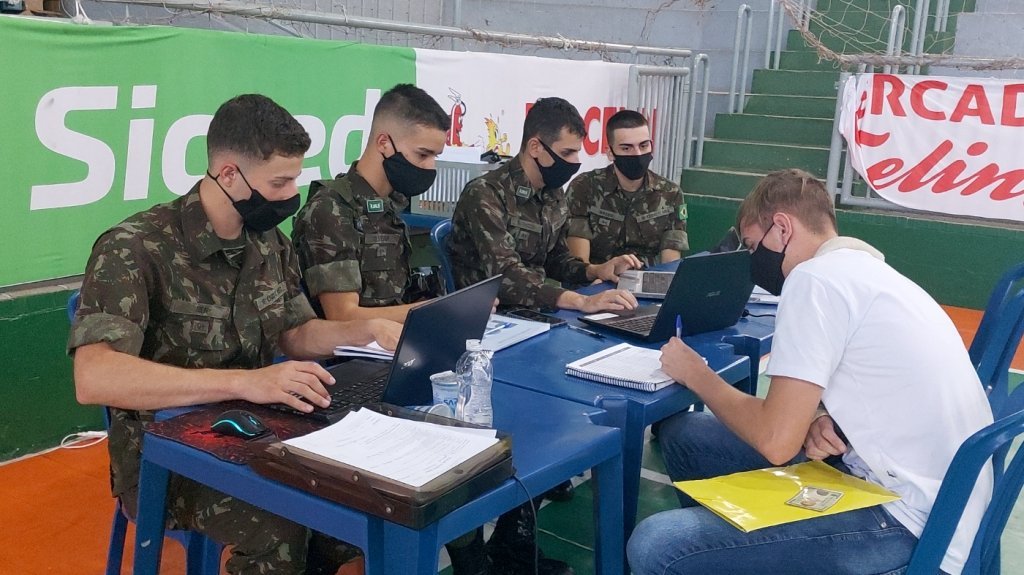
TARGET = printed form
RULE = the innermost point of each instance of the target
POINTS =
(411, 452)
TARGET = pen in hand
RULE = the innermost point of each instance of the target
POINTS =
(679, 327)
(586, 331)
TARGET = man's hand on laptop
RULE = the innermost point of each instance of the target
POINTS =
(608, 300)
(610, 270)
(385, 332)
(298, 384)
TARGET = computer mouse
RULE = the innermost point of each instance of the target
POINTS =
(239, 423)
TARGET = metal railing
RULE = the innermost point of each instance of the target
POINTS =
(897, 35)
(741, 45)
(661, 94)
(700, 62)
(775, 32)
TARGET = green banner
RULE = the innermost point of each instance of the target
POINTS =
(100, 122)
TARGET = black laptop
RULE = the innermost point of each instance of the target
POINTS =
(433, 339)
(708, 292)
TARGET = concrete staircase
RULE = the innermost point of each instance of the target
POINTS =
(787, 120)
(994, 30)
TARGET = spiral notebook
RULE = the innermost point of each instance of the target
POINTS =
(624, 365)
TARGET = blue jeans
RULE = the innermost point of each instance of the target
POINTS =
(694, 540)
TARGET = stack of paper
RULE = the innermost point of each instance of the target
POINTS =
(503, 331)
(372, 351)
(410, 452)
(623, 365)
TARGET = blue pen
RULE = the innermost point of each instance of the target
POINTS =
(679, 327)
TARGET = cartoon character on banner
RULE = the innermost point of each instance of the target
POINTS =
(495, 142)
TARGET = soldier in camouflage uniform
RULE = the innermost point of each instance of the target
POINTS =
(352, 244)
(625, 208)
(512, 221)
(188, 303)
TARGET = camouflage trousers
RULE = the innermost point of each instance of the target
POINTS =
(261, 542)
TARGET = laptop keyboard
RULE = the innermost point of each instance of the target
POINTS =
(345, 397)
(656, 283)
(642, 324)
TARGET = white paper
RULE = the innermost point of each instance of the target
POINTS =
(600, 316)
(625, 362)
(410, 452)
(373, 350)
(503, 331)
(761, 295)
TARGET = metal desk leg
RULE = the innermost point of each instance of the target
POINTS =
(609, 545)
(397, 550)
(149, 526)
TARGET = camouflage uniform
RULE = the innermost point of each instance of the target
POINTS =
(162, 286)
(349, 239)
(617, 222)
(502, 225)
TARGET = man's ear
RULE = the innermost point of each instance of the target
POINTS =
(784, 222)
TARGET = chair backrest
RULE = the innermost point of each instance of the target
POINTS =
(439, 239)
(956, 489)
(1003, 290)
(993, 356)
(73, 300)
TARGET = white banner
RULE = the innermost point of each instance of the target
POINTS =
(947, 145)
(488, 95)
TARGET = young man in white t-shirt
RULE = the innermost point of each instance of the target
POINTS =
(865, 365)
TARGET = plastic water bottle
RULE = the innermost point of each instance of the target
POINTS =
(475, 377)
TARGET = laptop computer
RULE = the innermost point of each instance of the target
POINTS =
(708, 292)
(651, 285)
(433, 339)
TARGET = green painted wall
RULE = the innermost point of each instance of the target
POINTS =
(37, 396)
(957, 263)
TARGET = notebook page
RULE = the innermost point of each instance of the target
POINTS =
(625, 362)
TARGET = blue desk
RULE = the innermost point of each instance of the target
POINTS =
(553, 440)
(538, 364)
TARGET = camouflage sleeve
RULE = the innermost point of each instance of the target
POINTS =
(297, 309)
(578, 198)
(675, 237)
(329, 246)
(114, 305)
(484, 222)
(562, 265)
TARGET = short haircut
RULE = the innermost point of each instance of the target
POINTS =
(411, 105)
(255, 127)
(623, 119)
(546, 119)
(794, 192)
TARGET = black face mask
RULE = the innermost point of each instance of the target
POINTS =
(407, 179)
(558, 173)
(633, 167)
(258, 213)
(766, 266)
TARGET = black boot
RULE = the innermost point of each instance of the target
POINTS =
(471, 558)
(511, 548)
(561, 493)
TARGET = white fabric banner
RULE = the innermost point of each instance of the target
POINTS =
(947, 145)
(488, 96)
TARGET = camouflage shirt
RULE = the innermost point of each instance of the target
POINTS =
(159, 286)
(349, 239)
(502, 225)
(617, 222)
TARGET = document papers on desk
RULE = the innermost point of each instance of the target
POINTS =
(410, 452)
(371, 351)
(503, 331)
(624, 365)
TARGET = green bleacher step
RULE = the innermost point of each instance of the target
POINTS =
(765, 157)
(797, 106)
(774, 129)
(794, 82)
(805, 59)
(717, 181)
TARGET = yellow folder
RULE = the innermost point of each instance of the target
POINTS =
(756, 499)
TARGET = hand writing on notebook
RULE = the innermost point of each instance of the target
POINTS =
(610, 270)
(299, 384)
(822, 439)
(681, 363)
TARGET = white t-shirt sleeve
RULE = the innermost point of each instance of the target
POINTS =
(811, 330)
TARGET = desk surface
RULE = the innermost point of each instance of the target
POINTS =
(552, 440)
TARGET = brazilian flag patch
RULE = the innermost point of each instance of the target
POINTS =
(375, 206)
(681, 212)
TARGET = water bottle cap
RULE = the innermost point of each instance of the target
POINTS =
(473, 345)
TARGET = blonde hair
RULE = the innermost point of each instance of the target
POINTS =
(794, 192)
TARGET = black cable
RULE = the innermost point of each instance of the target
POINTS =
(746, 313)
(533, 512)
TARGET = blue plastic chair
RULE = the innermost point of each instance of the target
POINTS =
(1001, 293)
(202, 555)
(956, 488)
(439, 239)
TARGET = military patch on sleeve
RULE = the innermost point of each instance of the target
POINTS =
(681, 212)
(523, 192)
(375, 206)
